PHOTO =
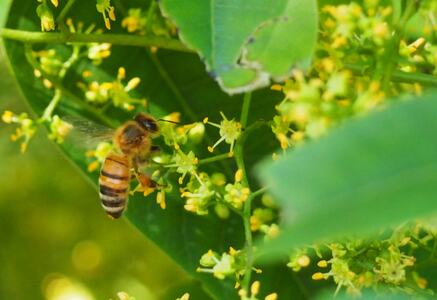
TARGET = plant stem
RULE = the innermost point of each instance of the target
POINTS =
(239, 146)
(61, 17)
(392, 46)
(399, 76)
(214, 158)
(149, 21)
(245, 109)
(47, 115)
(74, 100)
(239, 159)
(32, 37)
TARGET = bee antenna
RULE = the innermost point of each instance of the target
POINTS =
(163, 120)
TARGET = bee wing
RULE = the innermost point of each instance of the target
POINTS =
(86, 134)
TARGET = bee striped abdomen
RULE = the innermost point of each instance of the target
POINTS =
(114, 184)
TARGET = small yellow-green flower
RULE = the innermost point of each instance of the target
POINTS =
(229, 130)
(236, 194)
(100, 153)
(59, 129)
(26, 130)
(98, 52)
(46, 15)
(135, 21)
(108, 12)
(116, 91)
(198, 195)
(185, 164)
(299, 259)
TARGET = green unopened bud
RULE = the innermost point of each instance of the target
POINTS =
(222, 211)
(209, 259)
(218, 179)
(196, 133)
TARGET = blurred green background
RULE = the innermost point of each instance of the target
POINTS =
(56, 242)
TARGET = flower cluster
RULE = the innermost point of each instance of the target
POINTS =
(355, 39)
(236, 193)
(359, 264)
(115, 92)
(59, 129)
(142, 22)
(51, 66)
(230, 263)
(352, 24)
(24, 132)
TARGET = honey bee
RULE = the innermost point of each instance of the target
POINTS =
(133, 139)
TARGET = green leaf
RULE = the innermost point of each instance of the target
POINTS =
(371, 172)
(171, 82)
(243, 43)
(4, 8)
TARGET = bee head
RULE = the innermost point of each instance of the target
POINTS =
(147, 122)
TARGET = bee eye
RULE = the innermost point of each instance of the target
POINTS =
(147, 123)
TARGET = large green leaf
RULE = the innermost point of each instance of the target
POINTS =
(245, 43)
(171, 82)
(370, 172)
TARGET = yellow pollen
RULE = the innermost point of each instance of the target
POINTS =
(7, 116)
(238, 175)
(111, 13)
(276, 87)
(55, 2)
(232, 251)
(160, 199)
(210, 149)
(107, 24)
(37, 73)
(205, 120)
(147, 191)
(86, 74)
(318, 276)
(47, 83)
(322, 264)
(133, 83)
(303, 261)
(121, 73)
(254, 289)
(93, 166)
(272, 296)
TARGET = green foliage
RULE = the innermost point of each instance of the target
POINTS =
(374, 166)
(244, 44)
(168, 87)
(206, 209)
